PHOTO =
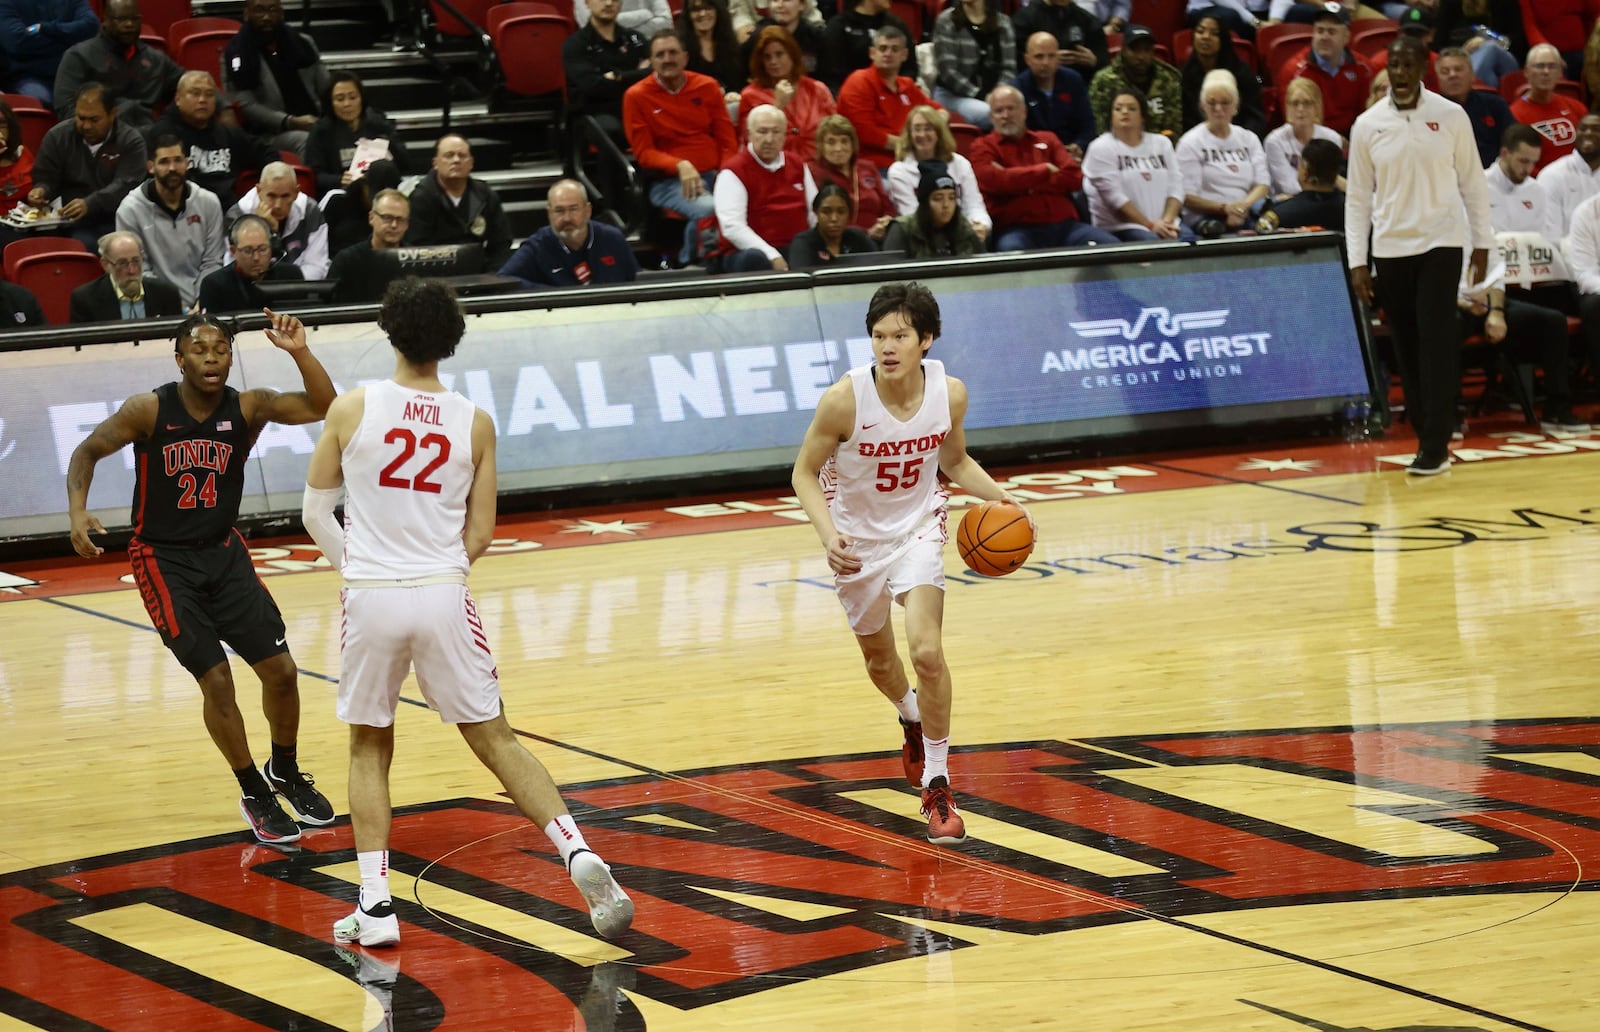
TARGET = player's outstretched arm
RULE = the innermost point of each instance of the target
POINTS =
(288, 334)
(954, 460)
(479, 532)
(134, 421)
(830, 424)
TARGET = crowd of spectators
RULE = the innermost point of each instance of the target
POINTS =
(774, 134)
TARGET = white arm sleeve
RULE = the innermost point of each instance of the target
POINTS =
(316, 512)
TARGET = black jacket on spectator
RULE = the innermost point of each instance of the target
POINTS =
(217, 153)
(56, 25)
(479, 218)
(1070, 24)
(1321, 208)
(65, 168)
(96, 301)
(138, 83)
(1453, 27)
(1490, 116)
(363, 273)
(847, 45)
(18, 308)
(587, 57)
(331, 145)
(227, 291)
(250, 80)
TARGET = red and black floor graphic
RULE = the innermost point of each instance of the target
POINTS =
(748, 879)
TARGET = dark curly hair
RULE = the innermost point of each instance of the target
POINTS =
(422, 318)
(187, 328)
(914, 303)
(13, 149)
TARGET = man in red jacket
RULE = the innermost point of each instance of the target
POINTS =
(1026, 177)
(1344, 78)
(679, 130)
(877, 99)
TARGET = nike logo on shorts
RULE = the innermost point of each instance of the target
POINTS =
(280, 641)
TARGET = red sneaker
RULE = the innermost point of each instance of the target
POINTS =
(945, 826)
(911, 751)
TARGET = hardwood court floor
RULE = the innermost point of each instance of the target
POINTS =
(1281, 748)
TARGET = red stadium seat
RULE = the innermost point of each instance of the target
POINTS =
(160, 14)
(201, 50)
(152, 37)
(530, 54)
(966, 135)
(449, 25)
(915, 14)
(1512, 84)
(1373, 31)
(53, 275)
(35, 122)
(501, 13)
(1162, 17)
(1274, 43)
(185, 26)
(24, 247)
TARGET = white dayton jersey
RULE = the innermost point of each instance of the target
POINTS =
(407, 471)
(883, 482)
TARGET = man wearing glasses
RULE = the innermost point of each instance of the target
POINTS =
(1554, 116)
(364, 270)
(232, 288)
(573, 250)
(124, 292)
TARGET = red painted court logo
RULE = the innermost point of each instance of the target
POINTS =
(749, 879)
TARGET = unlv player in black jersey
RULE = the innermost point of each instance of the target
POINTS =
(191, 439)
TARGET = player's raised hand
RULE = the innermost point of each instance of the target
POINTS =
(286, 331)
(82, 524)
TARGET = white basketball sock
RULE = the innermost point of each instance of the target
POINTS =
(935, 760)
(908, 707)
(374, 877)
(564, 833)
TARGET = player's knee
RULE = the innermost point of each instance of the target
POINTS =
(882, 665)
(928, 661)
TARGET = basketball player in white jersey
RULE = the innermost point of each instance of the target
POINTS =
(868, 477)
(416, 462)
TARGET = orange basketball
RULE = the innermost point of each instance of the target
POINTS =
(994, 538)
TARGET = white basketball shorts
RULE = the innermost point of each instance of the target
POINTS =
(889, 569)
(432, 628)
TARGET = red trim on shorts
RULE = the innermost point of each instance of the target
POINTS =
(140, 480)
(475, 625)
(153, 588)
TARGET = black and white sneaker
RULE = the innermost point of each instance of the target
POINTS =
(299, 791)
(1428, 465)
(1563, 421)
(268, 821)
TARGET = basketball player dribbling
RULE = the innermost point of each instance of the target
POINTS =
(868, 478)
(417, 465)
(191, 439)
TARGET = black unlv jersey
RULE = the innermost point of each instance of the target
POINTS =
(189, 476)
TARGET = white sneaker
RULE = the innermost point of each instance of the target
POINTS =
(610, 909)
(377, 926)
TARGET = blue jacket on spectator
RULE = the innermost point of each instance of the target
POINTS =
(35, 33)
(1063, 109)
(544, 261)
(1490, 116)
